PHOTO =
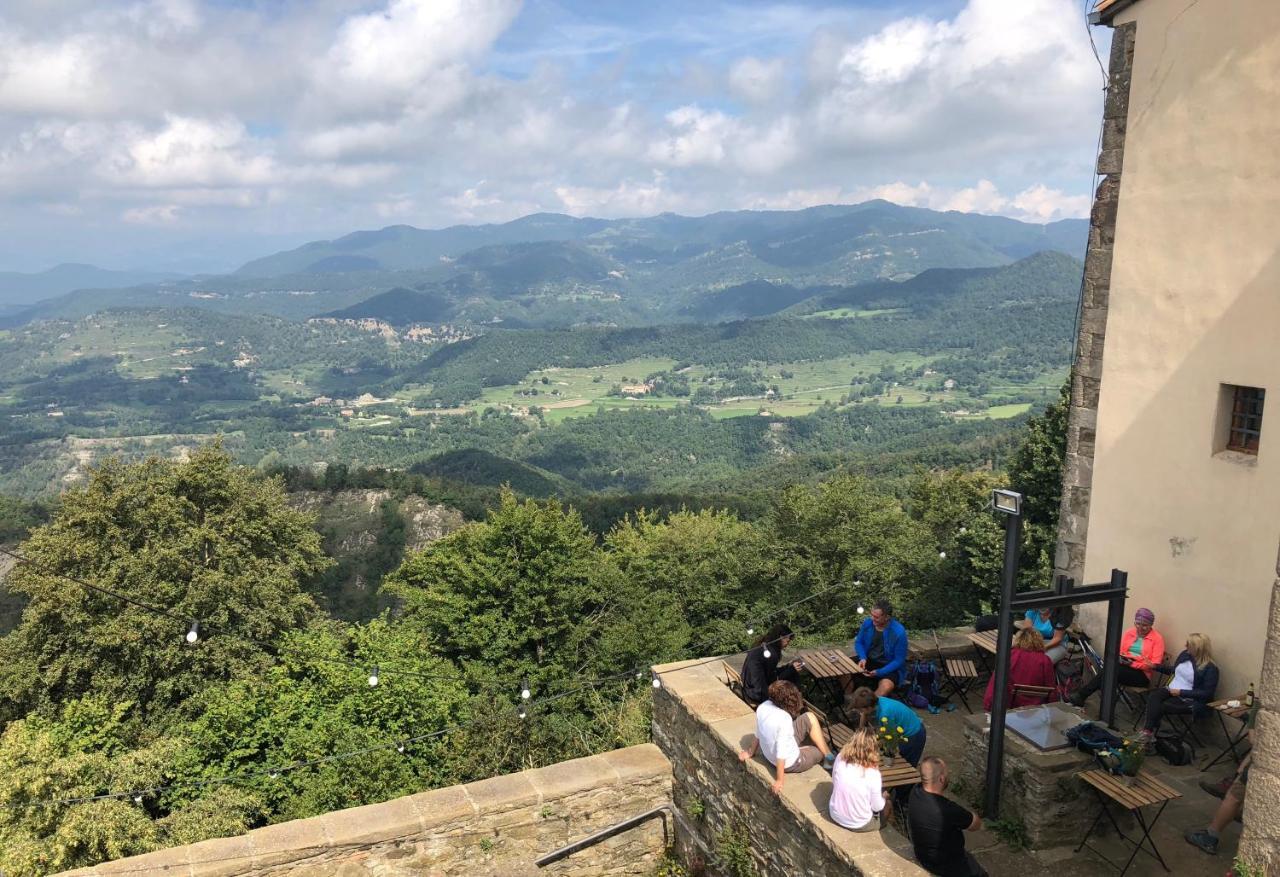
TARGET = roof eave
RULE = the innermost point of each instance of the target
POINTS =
(1104, 16)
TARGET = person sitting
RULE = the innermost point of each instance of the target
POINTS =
(759, 671)
(881, 649)
(1028, 665)
(885, 712)
(1141, 651)
(781, 723)
(1195, 679)
(1052, 625)
(858, 801)
(1232, 806)
(937, 825)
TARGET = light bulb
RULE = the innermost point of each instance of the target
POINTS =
(400, 746)
(857, 583)
(942, 554)
(194, 633)
(861, 610)
(657, 681)
(525, 693)
(639, 674)
(523, 712)
(275, 774)
(751, 631)
(137, 799)
(373, 677)
(767, 653)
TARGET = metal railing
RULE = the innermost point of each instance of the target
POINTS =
(605, 833)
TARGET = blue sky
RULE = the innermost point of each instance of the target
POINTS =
(193, 135)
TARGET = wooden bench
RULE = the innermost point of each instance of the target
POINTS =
(733, 679)
(838, 733)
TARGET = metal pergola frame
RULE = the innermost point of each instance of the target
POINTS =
(1063, 593)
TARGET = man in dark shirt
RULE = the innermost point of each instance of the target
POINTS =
(938, 825)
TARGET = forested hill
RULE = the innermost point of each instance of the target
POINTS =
(785, 239)
(1011, 322)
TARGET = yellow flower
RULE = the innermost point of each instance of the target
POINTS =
(900, 729)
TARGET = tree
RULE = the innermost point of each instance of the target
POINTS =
(717, 567)
(201, 539)
(1035, 471)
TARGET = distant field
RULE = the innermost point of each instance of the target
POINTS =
(580, 392)
(849, 313)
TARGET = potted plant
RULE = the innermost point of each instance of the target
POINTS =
(891, 738)
(1131, 756)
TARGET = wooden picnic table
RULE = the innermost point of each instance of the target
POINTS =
(1225, 711)
(827, 663)
(985, 640)
(1145, 791)
(901, 774)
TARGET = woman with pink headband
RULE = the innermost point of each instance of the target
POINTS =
(1141, 651)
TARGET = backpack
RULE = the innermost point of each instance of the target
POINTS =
(1176, 751)
(922, 689)
(1092, 737)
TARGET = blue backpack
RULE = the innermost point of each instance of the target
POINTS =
(922, 688)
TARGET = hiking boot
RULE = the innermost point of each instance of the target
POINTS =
(1203, 840)
(1218, 789)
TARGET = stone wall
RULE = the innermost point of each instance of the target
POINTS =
(1260, 844)
(1086, 372)
(728, 813)
(492, 827)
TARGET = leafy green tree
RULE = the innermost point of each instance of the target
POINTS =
(201, 539)
(717, 567)
(843, 530)
(1036, 472)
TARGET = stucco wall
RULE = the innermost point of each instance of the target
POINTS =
(1194, 303)
(727, 807)
(493, 827)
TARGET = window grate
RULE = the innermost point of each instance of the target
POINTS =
(1246, 419)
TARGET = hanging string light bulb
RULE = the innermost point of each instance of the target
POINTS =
(194, 633)
(137, 799)
(657, 681)
(751, 631)
(373, 677)
(861, 611)
(524, 713)
(525, 693)
(942, 554)
(401, 746)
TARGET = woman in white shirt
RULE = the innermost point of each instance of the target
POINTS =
(782, 723)
(858, 801)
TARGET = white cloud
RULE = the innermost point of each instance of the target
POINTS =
(155, 214)
(757, 80)
(337, 114)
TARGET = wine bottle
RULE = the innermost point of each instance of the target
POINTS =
(1248, 696)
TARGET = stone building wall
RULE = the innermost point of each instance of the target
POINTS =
(1260, 844)
(728, 813)
(1086, 372)
(493, 827)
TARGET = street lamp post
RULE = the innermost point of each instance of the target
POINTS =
(1009, 503)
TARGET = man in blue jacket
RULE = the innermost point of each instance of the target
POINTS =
(881, 649)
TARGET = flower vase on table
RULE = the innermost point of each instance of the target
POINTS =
(891, 739)
(1131, 756)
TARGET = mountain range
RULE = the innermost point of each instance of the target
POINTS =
(18, 288)
(555, 270)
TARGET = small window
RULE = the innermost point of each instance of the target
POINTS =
(1245, 428)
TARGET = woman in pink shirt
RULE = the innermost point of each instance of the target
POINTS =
(858, 801)
(1141, 652)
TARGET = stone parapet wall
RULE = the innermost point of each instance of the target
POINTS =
(728, 813)
(493, 827)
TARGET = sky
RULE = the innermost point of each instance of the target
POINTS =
(192, 135)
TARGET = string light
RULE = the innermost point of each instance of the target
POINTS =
(373, 677)
(523, 713)
(942, 554)
(194, 633)
(137, 799)
(751, 631)
(861, 611)
(767, 653)
(401, 746)
(657, 681)
(525, 693)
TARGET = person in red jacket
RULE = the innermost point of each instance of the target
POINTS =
(1141, 652)
(1028, 665)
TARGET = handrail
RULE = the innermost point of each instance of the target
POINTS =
(606, 833)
